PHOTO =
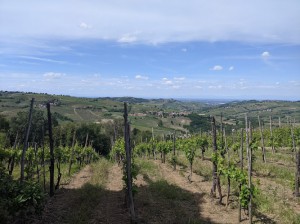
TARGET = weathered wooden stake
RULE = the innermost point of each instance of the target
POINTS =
(271, 133)
(216, 178)
(262, 141)
(174, 149)
(249, 155)
(51, 151)
(72, 152)
(128, 164)
(43, 159)
(228, 178)
(242, 168)
(12, 164)
(222, 133)
(297, 157)
(279, 122)
(25, 141)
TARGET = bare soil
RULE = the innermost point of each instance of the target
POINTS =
(112, 208)
(151, 206)
(208, 207)
(80, 178)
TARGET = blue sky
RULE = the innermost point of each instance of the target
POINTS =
(173, 49)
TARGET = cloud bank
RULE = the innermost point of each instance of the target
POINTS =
(153, 21)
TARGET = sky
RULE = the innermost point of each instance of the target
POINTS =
(217, 49)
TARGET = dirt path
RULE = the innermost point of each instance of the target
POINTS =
(209, 208)
(107, 207)
(112, 208)
(60, 205)
(80, 178)
(114, 180)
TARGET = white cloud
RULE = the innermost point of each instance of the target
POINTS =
(265, 54)
(215, 87)
(231, 68)
(166, 81)
(199, 20)
(54, 75)
(217, 68)
(43, 59)
(85, 26)
(179, 78)
(127, 38)
(141, 77)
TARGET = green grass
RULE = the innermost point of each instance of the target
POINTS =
(85, 201)
(100, 171)
(272, 203)
(147, 168)
(169, 191)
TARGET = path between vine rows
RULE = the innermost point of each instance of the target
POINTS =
(209, 208)
(110, 208)
(80, 178)
(59, 205)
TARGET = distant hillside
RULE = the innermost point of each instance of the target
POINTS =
(164, 115)
(234, 112)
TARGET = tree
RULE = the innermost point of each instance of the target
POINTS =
(4, 123)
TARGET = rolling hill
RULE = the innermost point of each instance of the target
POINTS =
(164, 115)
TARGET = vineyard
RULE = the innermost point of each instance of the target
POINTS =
(66, 172)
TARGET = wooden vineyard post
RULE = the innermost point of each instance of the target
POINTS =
(228, 177)
(37, 164)
(129, 194)
(271, 134)
(297, 156)
(262, 141)
(12, 164)
(174, 150)
(72, 152)
(25, 141)
(250, 131)
(249, 155)
(51, 151)
(242, 169)
(279, 122)
(216, 178)
(153, 147)
(222, 137)
(85, 145)
(43, 159)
